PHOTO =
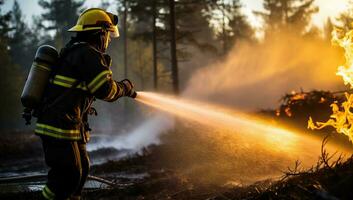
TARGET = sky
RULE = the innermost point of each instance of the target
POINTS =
(327, 8)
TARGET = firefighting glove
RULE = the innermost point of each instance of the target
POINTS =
(129, 88)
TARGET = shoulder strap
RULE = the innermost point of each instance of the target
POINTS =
(63, 52)
(71, 46)
(61, 97)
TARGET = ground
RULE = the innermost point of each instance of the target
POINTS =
(164, 178)
(194, 162)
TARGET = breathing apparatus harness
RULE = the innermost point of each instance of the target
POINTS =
(43, 104)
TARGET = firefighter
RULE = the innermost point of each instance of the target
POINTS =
(83, 75)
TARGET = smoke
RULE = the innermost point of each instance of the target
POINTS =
(145, 134)
(255, 76)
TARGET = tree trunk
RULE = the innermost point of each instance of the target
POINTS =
(126, 105)
(125, 38)
(154, 41)
(141, 67)
(224, 34)
(173, 55)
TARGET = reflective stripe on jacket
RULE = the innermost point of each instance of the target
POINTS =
(48, 130)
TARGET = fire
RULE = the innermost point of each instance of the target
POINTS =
(288, 112)
(298, 96)
(342, 117)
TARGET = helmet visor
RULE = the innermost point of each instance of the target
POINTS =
(114, 31)
(113, 28)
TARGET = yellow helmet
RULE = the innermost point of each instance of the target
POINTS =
(97, 19)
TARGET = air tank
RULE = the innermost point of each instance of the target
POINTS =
(44, 61)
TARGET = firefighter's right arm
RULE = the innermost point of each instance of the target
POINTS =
(126, 88)
(98, 78)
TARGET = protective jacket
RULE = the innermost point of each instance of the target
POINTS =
(82, 75)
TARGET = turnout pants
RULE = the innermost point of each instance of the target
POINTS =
(69, 167)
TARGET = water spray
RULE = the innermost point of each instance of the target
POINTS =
(203, 113)
(256, 129)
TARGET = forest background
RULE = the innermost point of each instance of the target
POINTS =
(213, 39)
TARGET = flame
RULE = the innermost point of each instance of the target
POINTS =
(342, 117)
(288, 112)
(298, 96)
(278, 112)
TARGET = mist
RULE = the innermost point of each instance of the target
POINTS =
(255, 76)
(252, 76)
(145, 134)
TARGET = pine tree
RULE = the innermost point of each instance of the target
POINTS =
(230, 23)
(12, 81)
(5, 59)
(192, 25)
(293, 15)
(173, 47)
(345, 19)
(61, 15)
(328, 28)
(23, 43)
(4, 26)
(125, 38)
